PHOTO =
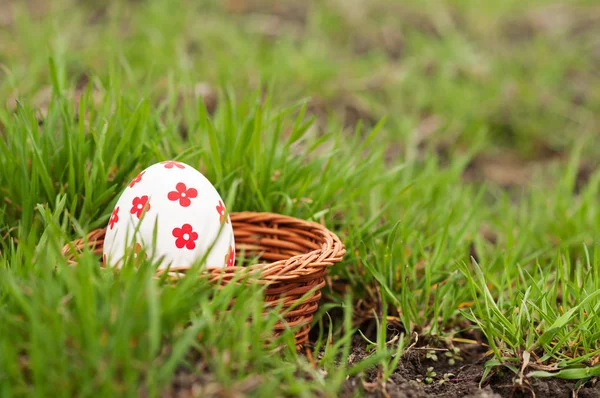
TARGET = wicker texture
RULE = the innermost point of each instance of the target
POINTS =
(294, 258)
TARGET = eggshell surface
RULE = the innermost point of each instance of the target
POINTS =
(180, 205)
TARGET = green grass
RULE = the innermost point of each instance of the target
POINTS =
(369, 119)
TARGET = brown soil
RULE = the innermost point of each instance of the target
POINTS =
(464, 381)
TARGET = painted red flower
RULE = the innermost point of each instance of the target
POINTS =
(221, 210)
(183, 194)
(169, 164)
(139, 205)
(229, 257)
(114, 218)
(185, 237)
(136, 179)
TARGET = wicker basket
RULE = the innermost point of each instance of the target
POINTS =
(295, 256)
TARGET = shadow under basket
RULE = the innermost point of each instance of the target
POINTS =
(294, 259)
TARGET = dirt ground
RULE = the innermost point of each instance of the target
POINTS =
(464, 381)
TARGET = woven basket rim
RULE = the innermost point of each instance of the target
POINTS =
(301, 266)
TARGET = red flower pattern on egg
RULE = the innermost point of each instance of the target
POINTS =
(221, 210)
(114, 218)
(229, 257)
(183, 194)
(139, 205)
(186, 237)
(137, 179)
(169, 164)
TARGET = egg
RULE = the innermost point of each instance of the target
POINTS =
(183, 208)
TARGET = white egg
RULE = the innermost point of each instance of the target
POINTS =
(185, 210)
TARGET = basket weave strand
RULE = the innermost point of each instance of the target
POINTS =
(294, 259)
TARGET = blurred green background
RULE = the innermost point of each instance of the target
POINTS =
(520, 76)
